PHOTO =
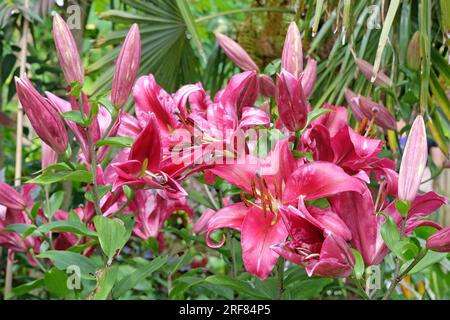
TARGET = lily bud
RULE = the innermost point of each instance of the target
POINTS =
(10, 198)
(48, 157)
(371, 109)
(353, 102)
(413, 53)
(367, 69)
(236, 53)
(43, 117)
(309, 77)
(66, 48)
(127, 67)
(292, 56)
(291, 101)
(440, 241)
(413, 162)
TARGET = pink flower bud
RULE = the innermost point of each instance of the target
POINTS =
(440, 241)
(291, 101)
(292, 56)
(353, 102)
(10, 198)
(69, 58)
(309, 77)
(48, 157)
(371, 109)
(413, 162)
(127, 67)
(236, 53)
(43, 117)
(367, 69)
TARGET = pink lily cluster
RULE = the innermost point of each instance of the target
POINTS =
(311, 198)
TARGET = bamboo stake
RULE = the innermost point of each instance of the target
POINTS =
(19, 137)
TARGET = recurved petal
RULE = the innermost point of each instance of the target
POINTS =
(317, 180)
(259, 233)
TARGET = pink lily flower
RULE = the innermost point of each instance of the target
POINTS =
(44, 119)
(153, 210)
(143, 167)
(67, 51)
(319, 242)
(414, 161)
(259, 221)
(127, 67)
(358, 212)
(440, 241)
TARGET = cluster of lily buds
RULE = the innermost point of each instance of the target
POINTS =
(43, 117)
(364, 108)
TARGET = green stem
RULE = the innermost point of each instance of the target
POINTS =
(398, 278)
(362, 293)
(280, 278)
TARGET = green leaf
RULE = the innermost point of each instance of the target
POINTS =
(56, 201)
(237, 285)
(388, 20)
(314, 115)
(130, 281)
(191, 25)
(55, 281)
(309, 288)
(389, 232)
(21, 228)
(358, 269)
(25, 288)
(108, 105)
(112, 235)
(102, 191)
(402, 207)
(121, 142)
(75, 116)
(106, 281)
(64, 259)
(182, 284)
(53, 177)
(429, 259)
(405, 249)
(68, 226)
